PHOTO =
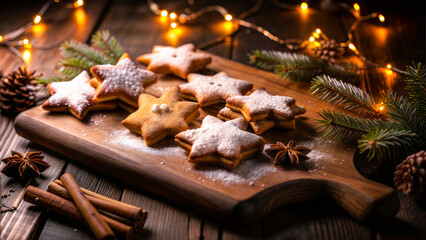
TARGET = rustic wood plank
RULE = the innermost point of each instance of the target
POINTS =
(165, 220)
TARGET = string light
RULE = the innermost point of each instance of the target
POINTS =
(173, 16)
(389, 66)
(356, 7)
(78, 3)
(26, 55)
(1, 38)
(25, 41)
(37, 19)
(292, 44)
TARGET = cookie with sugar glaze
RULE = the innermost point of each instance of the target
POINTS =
(180, 61)
(74, 96)
(261, 105)
(220, 143)
(157, 118)
(211, 90)
(124, 81)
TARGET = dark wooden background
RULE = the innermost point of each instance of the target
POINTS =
(398, 41)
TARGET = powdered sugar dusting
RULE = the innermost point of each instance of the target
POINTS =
(124, 138)
(249, 171)
(260, 100)
(219, 86)
(76, 93)
(125, 76)
(216, 135)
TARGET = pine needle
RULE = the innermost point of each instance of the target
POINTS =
(110, 45)
(71, 67)
(344, 127)
(82, 51)
(344, 94)
(416, 86)
(390, 144)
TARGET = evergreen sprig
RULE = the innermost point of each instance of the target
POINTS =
(78, 56)
(416, 86)
(299, 67)
(341, 126)
(399, 132)
(388, 143)
(345, 95)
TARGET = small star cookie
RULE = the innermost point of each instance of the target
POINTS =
(261, 105)
(74, 96)
(124, 81)
(180, 61)
(262, 126)
(210, 90)
(157, 118)
(218, 142)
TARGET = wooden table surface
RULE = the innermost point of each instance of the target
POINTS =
(399, 41)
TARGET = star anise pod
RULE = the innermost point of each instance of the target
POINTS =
(281, 152)
(27, 166)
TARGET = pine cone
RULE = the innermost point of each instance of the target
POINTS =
(410, 175)
(17, 90)
(329, 51)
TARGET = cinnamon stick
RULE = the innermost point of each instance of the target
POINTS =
(139, 215)
(65, 207)
(99, 227)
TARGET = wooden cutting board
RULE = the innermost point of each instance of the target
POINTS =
(249, 192)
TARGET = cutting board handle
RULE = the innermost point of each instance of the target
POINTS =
(363, 198)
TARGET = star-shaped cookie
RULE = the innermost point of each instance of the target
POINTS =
(210, 90)
(74, 96)
(157, 118)
(124, 81)
(261, 105)
(180, 61)
(221, 143)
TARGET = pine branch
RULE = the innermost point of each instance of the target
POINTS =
(71, 67)
(405, 115)
(388, 143)
(81, 51)
(344, 94)
(344, 127)
(416, 86)
(298, 67)
(108, 43)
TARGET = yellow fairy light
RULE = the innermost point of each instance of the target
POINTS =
(25, 41)
(318, 31)
(173, 15)
(389, 66)
(37, 19)
(78, 3)
(381, 18)
(352, 47)
(317, 44)
(304, 6)
(356, 7)
(164, 13)
(311, 39)
(173, 25)
(381, 106)
(1, 38)
(316, 35)
(26, 55)
(228, 17)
